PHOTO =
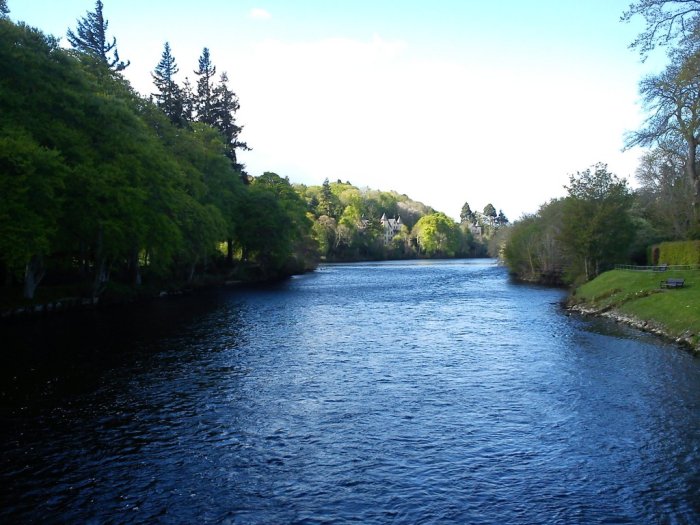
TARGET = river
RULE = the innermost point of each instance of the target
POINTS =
(400, 392)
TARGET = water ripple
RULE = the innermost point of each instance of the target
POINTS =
(419, 392)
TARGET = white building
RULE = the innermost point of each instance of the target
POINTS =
(391, 228)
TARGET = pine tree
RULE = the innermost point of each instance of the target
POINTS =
(169, 97)
(188, 101)
(4, 10)
(224, 112)
(467, 215)
(91, 38)
(501, 219)
(204, 102)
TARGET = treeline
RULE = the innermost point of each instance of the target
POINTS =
(602, 221)
(107, 192)
(347, 225)
(102, 188)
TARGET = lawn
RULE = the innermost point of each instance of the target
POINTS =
(639, 294)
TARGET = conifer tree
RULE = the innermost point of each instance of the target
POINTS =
(224, 112)
(169, 97)
(4, 10)
(91, 38)
(205, 89)
(188, 101)
(466, 215)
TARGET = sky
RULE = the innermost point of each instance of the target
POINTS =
(447, 101)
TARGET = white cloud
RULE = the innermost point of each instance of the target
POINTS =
(443, 132)
(259, 14)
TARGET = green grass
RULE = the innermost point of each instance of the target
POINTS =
(639, 294)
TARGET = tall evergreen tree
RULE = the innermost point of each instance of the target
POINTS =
(188, 101)
(466, 215)
(205, 89)
(169, 97)
(225, 107)
(4, 10)
(91, 38)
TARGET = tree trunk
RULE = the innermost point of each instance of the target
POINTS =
(135, 267)
(193, 268)
(691, 172)
(229, 252)
(101, 267)
(34, 272)
(101, 278)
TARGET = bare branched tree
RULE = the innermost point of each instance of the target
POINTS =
(672, 99)
(667, 21)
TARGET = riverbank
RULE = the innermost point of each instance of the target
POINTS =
(638, 299)
(52, 299)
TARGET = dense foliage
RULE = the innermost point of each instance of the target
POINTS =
(589, 230)
(101, 187)
(351, 223)
(105, 191)
(677, 253)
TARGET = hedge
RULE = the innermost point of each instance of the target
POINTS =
(679, 252)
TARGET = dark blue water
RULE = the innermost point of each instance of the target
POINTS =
(417, 392)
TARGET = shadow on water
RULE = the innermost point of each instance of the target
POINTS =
(67, 354)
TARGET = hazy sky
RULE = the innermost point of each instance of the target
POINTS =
(445, 100)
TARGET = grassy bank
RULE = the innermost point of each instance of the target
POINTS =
(637, 295)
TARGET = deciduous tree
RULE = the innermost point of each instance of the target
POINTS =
(437, 234)
(596, 226)
(672, 99)
(666, 21)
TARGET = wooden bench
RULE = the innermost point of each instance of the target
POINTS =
(673, 283)
(661, 268)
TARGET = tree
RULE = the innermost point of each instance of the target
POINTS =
(490, 211)
(596, 226)
(31, 183)
(467, 215)
(501, 219)
(328, 203)
(169, 97)
(666, 21)
(673, 100)
(274, 224)
(91, 38)
(4, 10)
(533, 251)
(437, 234)
(204, 100)
(224, 114)
(189, 102)
(664, 195)
(324, 232)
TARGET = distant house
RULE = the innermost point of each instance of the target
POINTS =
(391, 228)
(476, 230)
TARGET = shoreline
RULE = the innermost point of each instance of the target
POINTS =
(684, 341)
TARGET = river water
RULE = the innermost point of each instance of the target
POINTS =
(401, 392)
